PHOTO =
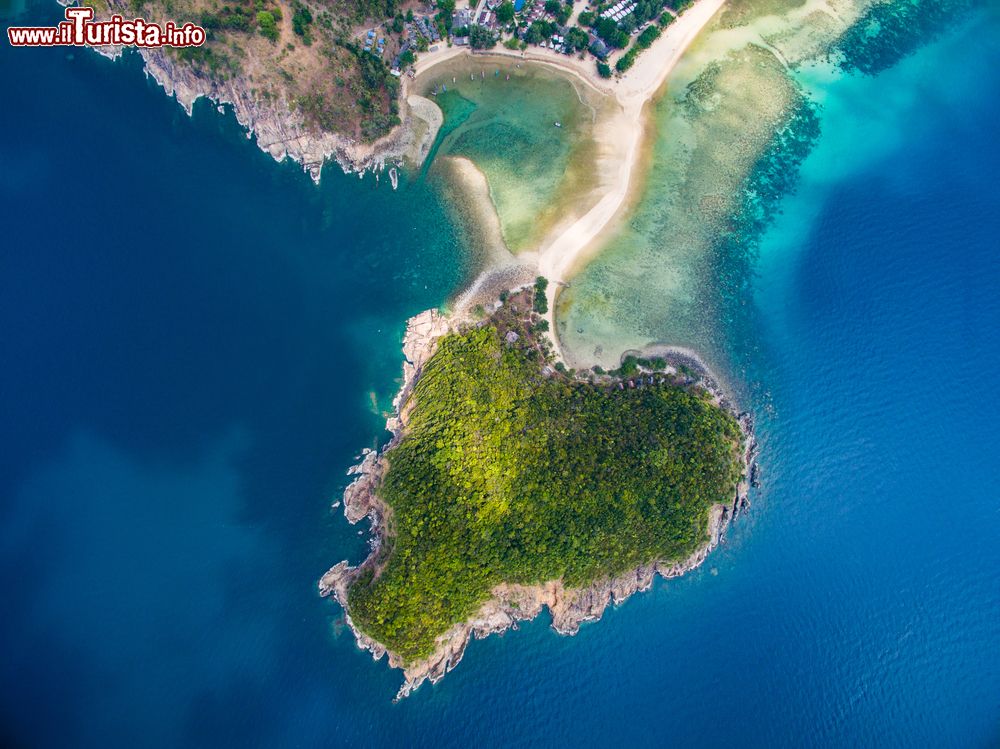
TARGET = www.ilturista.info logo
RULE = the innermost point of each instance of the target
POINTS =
(79, 30)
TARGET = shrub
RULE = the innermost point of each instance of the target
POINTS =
(629, 367)
(541, 303)
(626, 61)
(648, 36)
(302, 19)
(267, 25)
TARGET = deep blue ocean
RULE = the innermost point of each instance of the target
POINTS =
(195, 343)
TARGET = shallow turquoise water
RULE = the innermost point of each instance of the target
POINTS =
(501, 116)
(178, 415)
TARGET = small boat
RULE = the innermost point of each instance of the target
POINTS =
(558, 124)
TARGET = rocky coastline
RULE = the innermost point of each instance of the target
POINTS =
(509, 604)
(280, 130)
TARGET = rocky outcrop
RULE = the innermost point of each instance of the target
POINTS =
(419, 345)
(509, 604)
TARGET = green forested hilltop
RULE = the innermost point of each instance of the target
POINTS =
(506, 474)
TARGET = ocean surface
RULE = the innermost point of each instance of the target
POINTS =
(196, 342)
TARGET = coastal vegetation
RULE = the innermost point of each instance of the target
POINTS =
(511, 471)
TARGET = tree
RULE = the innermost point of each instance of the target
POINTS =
(445, 16)
(603, 70)
(586, 18)
(540, 302)
(552, 6)
(605, 27)
(481, 37)
(505, 13)
(608, 31)
(538, 31)
(577, 39)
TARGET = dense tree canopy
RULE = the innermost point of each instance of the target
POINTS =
(509, 472)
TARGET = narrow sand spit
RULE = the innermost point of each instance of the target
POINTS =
(477, 203)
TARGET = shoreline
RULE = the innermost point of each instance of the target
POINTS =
(510, 604)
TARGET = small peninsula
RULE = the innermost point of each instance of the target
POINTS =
(511, 484)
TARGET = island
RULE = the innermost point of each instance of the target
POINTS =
(511, 484)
